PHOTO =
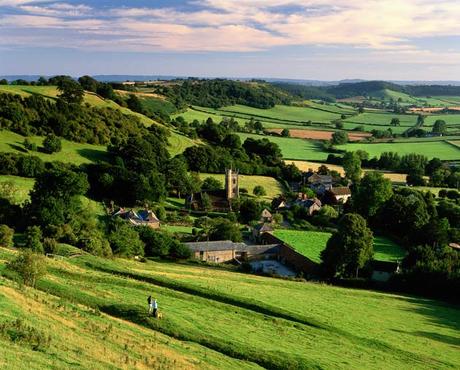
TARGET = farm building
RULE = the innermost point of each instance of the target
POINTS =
(140, 218)
(311, 205)
(340, 194)
(319, 183)
(266, 216)
(225, 251)
(259, 229)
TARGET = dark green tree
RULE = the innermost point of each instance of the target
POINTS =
(349, 249)
(439, 127)
(352, 166)
(33, 239)
(371, 193)
(70, 91)
(52, 144)
(125, 241)
(339, 138)
(224, 229)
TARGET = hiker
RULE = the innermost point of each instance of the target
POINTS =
(155, 308)
(149, 301)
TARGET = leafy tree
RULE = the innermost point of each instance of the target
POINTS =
(259, 191)
(178, 250)
(8, 190)
(70, 91)
(338, 124)
(349, 249)
(33, 239)
(339, 138)
(285, 133)
(352, 166)
(224, 229)
(29, 266)
(439, 127)
(157, 243)
(52, 144)
(3, 81)
(371, 193)
(395, 122)
(6, 236)
(125, 241)
(206, 202)
(211, 184)
(88, 83)
(250, 210)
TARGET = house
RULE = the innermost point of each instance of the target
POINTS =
(384, 270)
(141, 218)
(340, 194)
(319, 183)
(225, 251)
(266, 216)
(260, 229)
(312, 205)
(279, 204)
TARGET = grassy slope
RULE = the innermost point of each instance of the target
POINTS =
(22, 186)
(82, 337)
(71, 152)
(351, 328)
(311, 243)
(272, 187)
(178, 143)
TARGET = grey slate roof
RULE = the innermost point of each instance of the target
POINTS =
(220, 245)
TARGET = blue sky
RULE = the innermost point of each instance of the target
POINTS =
(312, 39)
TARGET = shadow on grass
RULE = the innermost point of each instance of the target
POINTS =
(443, 338)
(94, 155)
(19, 148)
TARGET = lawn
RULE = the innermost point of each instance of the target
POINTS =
(177, 228)
(308, 243)
(271, 185)
(71, 152)
(311, 243)
(225, 317)
(293, 148)
(431, 149)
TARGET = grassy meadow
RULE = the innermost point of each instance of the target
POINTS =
(76, 153)
(293, 148)
(271, 185)
(22, 187)
(218, 318)
(311, 243)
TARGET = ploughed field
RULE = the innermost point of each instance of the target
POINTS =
(321, 135)
(216, 318)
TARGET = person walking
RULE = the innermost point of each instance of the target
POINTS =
(149, 301)
(155, 308)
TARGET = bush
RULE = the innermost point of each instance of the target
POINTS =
(29, 266)
(125, 241)
(33, 238)
(52, 144)
(339, 137)
(18, 332)
(178, 250)
(259, 191)
(6, 236)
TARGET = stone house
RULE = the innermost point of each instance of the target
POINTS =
(140, 218)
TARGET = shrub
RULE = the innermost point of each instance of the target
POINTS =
(29, 145)
(52, 144)
(33, 238)
(259, 191)
(339, 137)
(125, 241)
(178, 250)
(29, 266)
(6, 236)
(18, 332)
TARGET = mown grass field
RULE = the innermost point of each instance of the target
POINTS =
(221, 318)
(311, 243)
(71, 152)
(270, 184)
(383, 119)
(293, 148)
(440, 149)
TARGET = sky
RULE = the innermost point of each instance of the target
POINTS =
(311, 39)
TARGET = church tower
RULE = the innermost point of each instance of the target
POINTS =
(232, 189)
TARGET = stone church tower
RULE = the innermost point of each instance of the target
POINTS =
(232, 189)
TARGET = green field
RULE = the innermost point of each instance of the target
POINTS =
(221, 318)
(271, 185)
(383, 119)
(311, 243)
(293, 148)
(71, 152)
(22, 187)
(308, 243)
(440, 149)
(177, 229)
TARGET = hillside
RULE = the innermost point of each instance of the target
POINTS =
(219, 319)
